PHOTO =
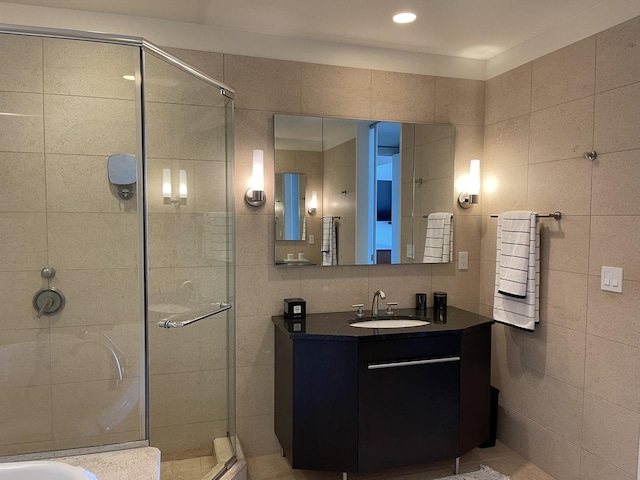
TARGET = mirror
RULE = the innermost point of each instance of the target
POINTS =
(375, 184)
(290, 206)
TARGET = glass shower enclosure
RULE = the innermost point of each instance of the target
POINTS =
(117, 263)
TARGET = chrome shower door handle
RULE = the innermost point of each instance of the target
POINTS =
(169, 323)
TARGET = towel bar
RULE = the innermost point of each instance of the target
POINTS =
(556, 215)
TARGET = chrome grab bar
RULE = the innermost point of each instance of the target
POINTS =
(169, 323)
(408, 363)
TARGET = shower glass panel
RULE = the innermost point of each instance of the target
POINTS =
(190, 256)
(75, 378)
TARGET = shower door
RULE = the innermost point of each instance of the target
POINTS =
(190, 262)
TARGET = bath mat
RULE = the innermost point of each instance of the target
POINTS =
(485, 473)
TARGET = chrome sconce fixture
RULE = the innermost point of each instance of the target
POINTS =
(472, 195)
(255, 193)
(167, 190)
(313, 203)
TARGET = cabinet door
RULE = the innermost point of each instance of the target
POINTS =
(409, 402)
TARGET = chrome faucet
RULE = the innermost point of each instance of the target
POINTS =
(374, 304)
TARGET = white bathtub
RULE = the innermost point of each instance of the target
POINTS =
(40, 470)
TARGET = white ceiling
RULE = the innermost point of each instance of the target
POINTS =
(461, 30)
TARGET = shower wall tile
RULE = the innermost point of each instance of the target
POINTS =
(16, 296)
(85, 409)
(564, 75)
(336, 91)
(185, 287)
(92, 240)
(459, 101)
(24, 55)
(264, 84)
(24, 241)
(210, 63)
(89, 126)
(89, 69)
(255, 386)
(617, 61)
(22, 131)
(26, 359)
(25, 415)
(187, 441)
(80, 183)
(614, 316)
(563, 299)
(617, 116)
(506, 143)
(508, 95)
(614, 186)
(254, 345)
(402, 97)
(593, 467)
(103, 439)
(257, 435)
(562, 131)
(208, 194)
(22, 182)
(614, 241)
(611, 433)
(261, 227)
(20, 448)
(549, 191)
(201, 396)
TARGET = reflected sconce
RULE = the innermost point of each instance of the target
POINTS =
(313, 203)
(182, 188)
(166, 185)
(472, 195)
(255, 193)
(167, 190)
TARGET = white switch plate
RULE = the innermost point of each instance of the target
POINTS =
(463, 260)
(312, 239)
(409, 250)
(611, 279)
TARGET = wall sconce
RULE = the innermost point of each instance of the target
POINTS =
(167, 191)
(472, 195)
(255, 193)
(313, 203)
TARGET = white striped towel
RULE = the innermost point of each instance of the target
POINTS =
(517, 288)
(329, 254)
(438, 242)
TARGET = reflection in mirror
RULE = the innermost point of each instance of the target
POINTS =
(377, 183)
(290, 206)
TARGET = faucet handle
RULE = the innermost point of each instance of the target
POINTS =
(389, 307)
(359, 312)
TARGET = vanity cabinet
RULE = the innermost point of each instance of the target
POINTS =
(362, 401)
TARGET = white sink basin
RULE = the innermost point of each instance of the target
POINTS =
(390, 323)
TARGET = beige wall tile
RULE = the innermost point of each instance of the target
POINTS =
(435, 195)
(22, 182)
(506, 144)
(469, 145)
(336, 91)
(617, 61)
(264, 84)
(24, 241)
(173, 241)
(92, 240)
(614, 187)
(459, 101)
(20, 448)
(508, 95)
(23, 56)
(253, 130)
(466, 232)
(16, 296)
(403, 97)
(254, 344)
(509, 428)
(612, 372)
(210, 194)
(334, 289)
(22, 131)
(489, 235)
(508, 377)
(565, 243)
(399, 283)
(187, 441)
(508, 342)
(564, 75)
(255, 236)
(563, 299)
(614, 316)
(611, 433)
(88, 69)
(264, 288)
(186, 286)
(504, 189)
(557, 352)
(104, 439)
(255, 385)
(617, 114)
(89, 126)
(26, 358)
(554, 405)
(437, 160)
(562, 131)
(462, 286)
(554, 454)
(25, 415)
(487, 284)
(210, 63)
(257, 437)
(593, 467)
(614, 241)
(563, 185)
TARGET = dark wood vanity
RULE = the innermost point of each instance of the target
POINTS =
(360, 400)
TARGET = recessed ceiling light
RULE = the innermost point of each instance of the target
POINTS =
(404, 17)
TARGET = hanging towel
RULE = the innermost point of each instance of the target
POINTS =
(438, 242)
(517, 286)
(304, 228)
(329, 254)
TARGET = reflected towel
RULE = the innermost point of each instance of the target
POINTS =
(517, 285)
(329, 254)
(438, 242)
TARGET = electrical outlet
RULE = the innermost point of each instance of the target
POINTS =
(312, 239)
(463, 260)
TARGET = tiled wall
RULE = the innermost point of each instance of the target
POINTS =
(570, 391)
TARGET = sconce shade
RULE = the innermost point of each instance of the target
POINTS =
(472, 195)
(313, 203)
(166, 183)
(254, 195)
(182, 189)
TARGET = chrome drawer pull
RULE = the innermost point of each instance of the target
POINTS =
(408, 363)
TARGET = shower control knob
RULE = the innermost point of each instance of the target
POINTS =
(48, 301)
(48, 272)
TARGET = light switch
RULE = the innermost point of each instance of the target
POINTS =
(312, 239)
(409, 250)
(611, 279)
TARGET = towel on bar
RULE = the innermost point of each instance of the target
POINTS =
(517, 286)
(438, 242)
(329, 254)
(303, 237)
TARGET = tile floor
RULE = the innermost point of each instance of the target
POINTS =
(274, 467)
